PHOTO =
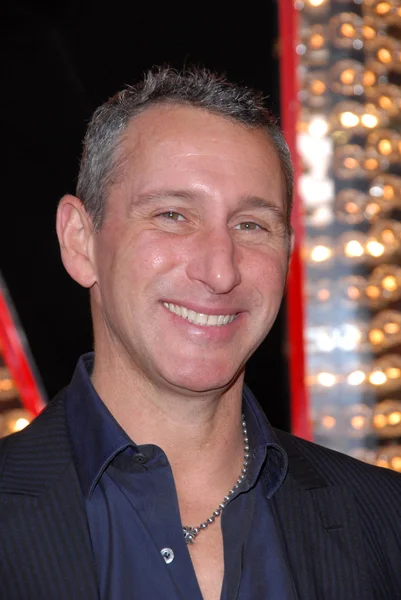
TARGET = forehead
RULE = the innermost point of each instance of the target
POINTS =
(166, 139)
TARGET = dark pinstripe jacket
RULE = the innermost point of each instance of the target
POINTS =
(340, 520)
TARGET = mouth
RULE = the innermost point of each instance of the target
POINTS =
(199, 318)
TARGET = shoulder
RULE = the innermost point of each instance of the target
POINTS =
(338, 468)
(41, 448)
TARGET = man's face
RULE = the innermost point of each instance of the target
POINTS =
(192, 257)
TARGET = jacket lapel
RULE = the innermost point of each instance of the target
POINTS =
(45, 547)
(321, 533)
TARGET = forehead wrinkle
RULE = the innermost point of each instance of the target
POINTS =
(263, 203)
(152, 196)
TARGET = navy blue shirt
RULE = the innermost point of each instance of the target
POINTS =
(133, 515)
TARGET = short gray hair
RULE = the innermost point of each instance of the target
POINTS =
(100, 161)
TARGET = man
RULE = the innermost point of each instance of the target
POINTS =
(154, 474)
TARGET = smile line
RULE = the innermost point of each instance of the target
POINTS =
(199, 318)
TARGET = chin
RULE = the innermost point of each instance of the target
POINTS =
(206, 384)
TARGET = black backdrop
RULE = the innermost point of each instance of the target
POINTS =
(59, 62)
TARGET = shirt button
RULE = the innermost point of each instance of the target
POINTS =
(168, 555)
(140, 458)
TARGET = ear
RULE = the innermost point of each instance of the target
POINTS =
(75, 235)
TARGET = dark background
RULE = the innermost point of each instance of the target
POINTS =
(59, 63)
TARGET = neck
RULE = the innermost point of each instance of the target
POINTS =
(201, 433)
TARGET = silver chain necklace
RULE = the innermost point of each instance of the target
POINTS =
(190, 533)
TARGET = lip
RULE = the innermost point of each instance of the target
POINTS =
(216, 334)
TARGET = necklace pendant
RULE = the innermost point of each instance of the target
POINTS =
(189, 534)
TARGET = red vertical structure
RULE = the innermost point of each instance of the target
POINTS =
(21, 398)
(288, 30)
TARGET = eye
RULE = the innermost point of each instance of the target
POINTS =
(248, 226)
(171, 215)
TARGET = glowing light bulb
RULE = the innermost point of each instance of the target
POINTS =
(358, 422)
(385, 102)
(383, 8)
(321, 253)
(323, 295)
(318, 127)
(385, 329)
(388, 192)
(384, 56)
(318, 87)
(348, 76)
(387, 418)
(349, 119)
(382, 461)
(354, 248)
(326, 379)
(393, 373)
(346, 29)
(369, 121)
(379, 421)
(385, 147)
(391, 328)
(348, 161)
(396, 463)
(377, 378)
(372, 291)
(394, 418)
(6, 385)
(328, 422)
(353, 293)
(372, 210)
(375, 248)
(389, 283)
(369, 78)
(376, 336)
(356, 378)
(16, 419)
(316, 41)
(350, 205)
(20, 424)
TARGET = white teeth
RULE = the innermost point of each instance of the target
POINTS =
(212, 320)
(199, 318)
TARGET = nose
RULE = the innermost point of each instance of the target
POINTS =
(214, 261)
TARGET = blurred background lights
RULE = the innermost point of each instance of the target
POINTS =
(349, 119)
(15, 420)
(375, 248)
(328, 421)
(377, 377)
(349, 144)
(318, 127)
(356, 377)
(321, 253)
(326, 379)
(353, 248)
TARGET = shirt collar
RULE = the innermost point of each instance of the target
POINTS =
(272, 459)
(95, 434)
(97, 437)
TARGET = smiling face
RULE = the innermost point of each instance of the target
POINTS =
(191, 259)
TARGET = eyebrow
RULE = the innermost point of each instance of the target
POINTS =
(263, 203)
(149, 197)
(249, 202)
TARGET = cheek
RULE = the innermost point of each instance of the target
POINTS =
(267, 272)
(154, 253)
